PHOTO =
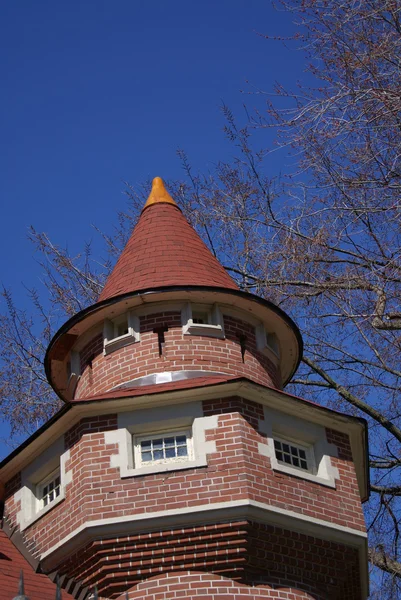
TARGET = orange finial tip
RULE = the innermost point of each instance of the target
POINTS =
(159, 194)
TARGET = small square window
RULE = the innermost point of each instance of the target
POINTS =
(162, 448)
(120, 331)
(267, 342)
(121, 328)
(49, 490)
(201, 319)
(293, 454)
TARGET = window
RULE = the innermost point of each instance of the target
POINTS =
(49, 490)
(293, 454)
(162, 439)
(43, 483)
(297, 447)
(201, 319)
(267, 342)
(159, 449)
(120, 331)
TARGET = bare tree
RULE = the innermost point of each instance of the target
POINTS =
(324, 242)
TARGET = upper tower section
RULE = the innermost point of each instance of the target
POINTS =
(170, 312)
(164, 251)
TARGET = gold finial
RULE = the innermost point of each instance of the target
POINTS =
(158, 194)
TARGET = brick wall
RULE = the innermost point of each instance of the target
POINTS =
(188, 585)
(234, 558)
(235, 471)
(195, 352)
(12, 505)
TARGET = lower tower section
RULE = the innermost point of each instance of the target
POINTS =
(220, 491)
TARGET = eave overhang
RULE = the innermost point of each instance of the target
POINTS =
(157, 395)
(259, 308)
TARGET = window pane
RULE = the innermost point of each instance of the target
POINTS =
(200, 317)
(122, 329)
(291, 455)
(164, 448)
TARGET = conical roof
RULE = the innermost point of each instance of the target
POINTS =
(163, 251)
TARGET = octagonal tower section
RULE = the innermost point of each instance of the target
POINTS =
(178, 467)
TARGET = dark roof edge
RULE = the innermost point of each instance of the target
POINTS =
(113, 300)
(64, 409)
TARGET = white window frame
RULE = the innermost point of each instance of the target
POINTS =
(35, 475)
(56, 474)
(267, 342)
(161, 420)
(213, 328)
(112, 341)
(137, 439)
(278, 425)
(300, 445)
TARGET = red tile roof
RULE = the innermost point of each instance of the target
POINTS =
(37, 585)
(156, 388)
(164, 250)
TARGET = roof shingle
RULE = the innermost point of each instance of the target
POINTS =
(164, 250)
(37, 585)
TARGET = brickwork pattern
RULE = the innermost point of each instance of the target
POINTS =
(253, 556)
(117, 563)
(180, 352)
(164, 250)
(236, 471)
(188, 585)
(12, 505)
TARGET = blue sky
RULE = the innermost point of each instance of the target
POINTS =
(95, 93)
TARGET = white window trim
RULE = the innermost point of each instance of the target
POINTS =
(281, 425)
(162, 420)
(39, 489)
(54, 457)
(112, 342)
(300, 444)
(137, 439)
(215, 327)
(267, 342)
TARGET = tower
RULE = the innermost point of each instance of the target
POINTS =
(178, 467)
